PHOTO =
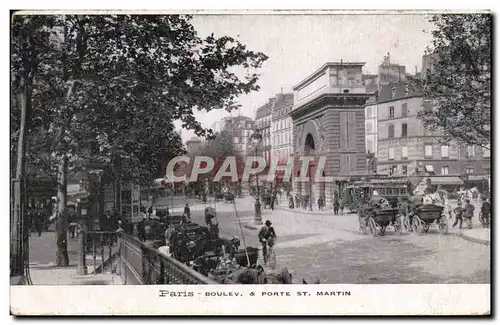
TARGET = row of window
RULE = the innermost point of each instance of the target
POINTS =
(471, 152)
(285, 152)
(404, 111)
(281, 124)
(445, 170)
(428, 152)
(282, 138)
(404, 131)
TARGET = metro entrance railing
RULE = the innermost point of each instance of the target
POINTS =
(135, 262)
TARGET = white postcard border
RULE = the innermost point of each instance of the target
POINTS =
(342, 299)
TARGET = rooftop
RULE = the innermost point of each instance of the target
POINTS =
(324, 67)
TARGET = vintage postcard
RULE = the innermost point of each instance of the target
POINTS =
(250, 163)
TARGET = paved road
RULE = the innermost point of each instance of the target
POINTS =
(330, 248)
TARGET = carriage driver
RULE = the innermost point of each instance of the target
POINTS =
(265, 233)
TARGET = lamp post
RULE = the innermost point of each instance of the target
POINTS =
(256, 140)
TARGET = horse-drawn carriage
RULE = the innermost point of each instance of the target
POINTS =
(376, 215)
(425, 216)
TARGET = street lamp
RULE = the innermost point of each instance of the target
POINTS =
(256, 140)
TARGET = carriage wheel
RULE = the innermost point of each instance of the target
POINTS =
(373, 227)
(362, 227)
(443, 228)
(406, 224)
(417, 226)
(382, 230)
(397, 224)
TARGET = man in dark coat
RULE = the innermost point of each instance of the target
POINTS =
(187, 211)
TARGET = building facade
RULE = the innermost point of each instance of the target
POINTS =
(329, 120)
(194, 146)
(371, 129)
(263, 118)
(281, 128)
(241, 129)
(407, 148)
(218, 126)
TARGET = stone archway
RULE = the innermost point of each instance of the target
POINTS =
(309, 149)
(309, 143)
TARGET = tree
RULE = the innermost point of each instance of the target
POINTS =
(458, 83)
(112, 86)
(30, 44)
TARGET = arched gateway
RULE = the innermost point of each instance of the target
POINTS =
(328, 120)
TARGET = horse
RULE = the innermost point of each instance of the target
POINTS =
(283, 277)
(315, 281)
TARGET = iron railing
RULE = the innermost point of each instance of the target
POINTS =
(100, 248)
(141, 264)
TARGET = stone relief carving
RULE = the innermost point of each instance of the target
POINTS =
(299, 148)
(321, 131)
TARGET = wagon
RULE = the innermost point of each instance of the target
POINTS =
(381, 218)
(267, 200)
(229, 197)
(241, 258)
(425, 216)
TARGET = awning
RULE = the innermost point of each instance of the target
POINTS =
(454, 180)
(429, 168)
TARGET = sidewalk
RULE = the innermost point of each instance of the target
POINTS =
(43, 270)
(47, 275)
(477, 234)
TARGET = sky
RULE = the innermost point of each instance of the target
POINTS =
(297, 45)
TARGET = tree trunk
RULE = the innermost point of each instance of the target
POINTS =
(62, 218)
(18, 222)
(117, 186)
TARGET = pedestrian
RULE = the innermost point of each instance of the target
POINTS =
(469, 212)
(320, 203)
(187, 211)
(39, 223)
(168, 234)
(485, 210)
(336, 206)
(458, 217)
(297, 201)
(290, 202)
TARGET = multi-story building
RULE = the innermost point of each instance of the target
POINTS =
(263, 118)
(406, 147)
(194, 146)
(281, 128)
(329, 120)
(371, 129)
(241, 129)
(476, 167)
(389, 73)
(218, 126)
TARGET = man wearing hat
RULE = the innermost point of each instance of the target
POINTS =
(265, 233)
